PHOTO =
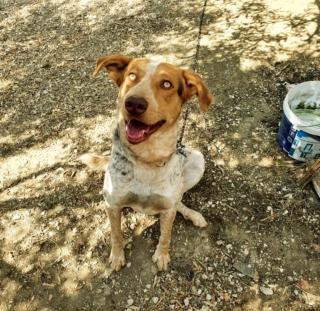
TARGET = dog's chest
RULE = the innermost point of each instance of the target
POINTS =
(145, 188)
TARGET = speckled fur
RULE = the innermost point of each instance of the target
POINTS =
(152, 189)
(148, 188)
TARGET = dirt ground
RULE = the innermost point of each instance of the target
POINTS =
(261, 249)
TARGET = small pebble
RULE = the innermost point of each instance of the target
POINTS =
(155, 300)
(130, 302)
(16, 217)
(266, 290)
(186, 302)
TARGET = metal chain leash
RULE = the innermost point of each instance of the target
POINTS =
(194, 66)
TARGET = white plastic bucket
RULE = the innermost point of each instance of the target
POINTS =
(299, 139)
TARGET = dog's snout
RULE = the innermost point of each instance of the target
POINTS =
(136, 105)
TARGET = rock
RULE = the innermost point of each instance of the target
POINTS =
(186, 302)
(107, 291)
(16, 217)
(266, 290)
(130, 302)
(155, 300)
(247, 269)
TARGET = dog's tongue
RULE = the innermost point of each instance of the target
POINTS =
(136, 130)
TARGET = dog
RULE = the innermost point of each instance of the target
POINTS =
(147, 171)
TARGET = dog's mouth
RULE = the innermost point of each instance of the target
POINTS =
(138, 131)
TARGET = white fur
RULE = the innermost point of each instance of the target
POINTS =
(168, 182)
(144, 86)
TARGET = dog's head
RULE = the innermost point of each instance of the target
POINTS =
(151, 93)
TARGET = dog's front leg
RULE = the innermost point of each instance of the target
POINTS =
(161, 255)
(116, 259)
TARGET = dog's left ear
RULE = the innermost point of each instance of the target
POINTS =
(195, 86)
(115, 65)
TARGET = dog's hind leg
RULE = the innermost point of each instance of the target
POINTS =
(192, 173)
(193, 169)
(188, 213)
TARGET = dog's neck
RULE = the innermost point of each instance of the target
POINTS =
(156, 150)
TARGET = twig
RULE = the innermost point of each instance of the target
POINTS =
(201, 264)
(311, 171)
(282, 70)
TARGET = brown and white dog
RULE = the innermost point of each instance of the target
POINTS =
(146, 171)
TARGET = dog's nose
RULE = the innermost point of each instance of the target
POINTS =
(136, 105)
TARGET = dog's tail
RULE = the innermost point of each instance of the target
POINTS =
(94, 161)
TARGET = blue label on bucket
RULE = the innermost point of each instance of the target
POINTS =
(305, 146)
(286, 134)
(298, 144)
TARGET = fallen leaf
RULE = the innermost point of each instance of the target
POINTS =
(303, 284)
(315, 247)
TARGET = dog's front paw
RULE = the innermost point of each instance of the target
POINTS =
(162, 259)
(117, 260)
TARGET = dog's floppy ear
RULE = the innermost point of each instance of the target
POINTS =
(115, 65)
(195, 86)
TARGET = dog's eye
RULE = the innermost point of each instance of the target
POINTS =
(165, 84)
(132, 76)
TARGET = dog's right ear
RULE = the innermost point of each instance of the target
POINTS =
(115, 65)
